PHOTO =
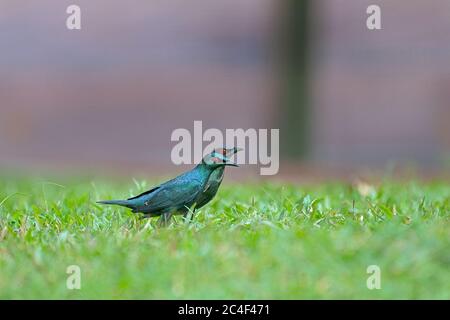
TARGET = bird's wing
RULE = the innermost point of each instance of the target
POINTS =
(147, 193)
(144, 193)
(173, 195)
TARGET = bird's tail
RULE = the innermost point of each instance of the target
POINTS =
(123, 203)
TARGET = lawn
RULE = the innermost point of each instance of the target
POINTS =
(254, 241)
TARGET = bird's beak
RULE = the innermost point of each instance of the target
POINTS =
(232, 151)
(227, 162)
(231, 164)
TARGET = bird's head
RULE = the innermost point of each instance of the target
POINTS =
(219, 157)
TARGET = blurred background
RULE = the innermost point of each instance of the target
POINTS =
(106, 98)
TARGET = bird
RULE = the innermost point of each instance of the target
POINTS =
(214, 181)
(176, 196)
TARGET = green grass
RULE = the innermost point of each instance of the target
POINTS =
(252, 242)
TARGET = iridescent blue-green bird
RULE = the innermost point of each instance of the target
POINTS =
(176, 196)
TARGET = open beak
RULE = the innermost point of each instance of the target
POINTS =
(227, 162)
(231, 152)
(231, 164)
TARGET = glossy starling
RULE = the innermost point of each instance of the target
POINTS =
(176, 196)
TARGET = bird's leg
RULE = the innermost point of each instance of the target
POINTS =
(192, 216)
(164, 219)
(189, 215)
(161, 221)
(143, 217)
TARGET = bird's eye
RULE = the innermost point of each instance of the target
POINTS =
(224, 151)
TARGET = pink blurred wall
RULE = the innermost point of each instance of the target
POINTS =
(385, 94)
(111, 94)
